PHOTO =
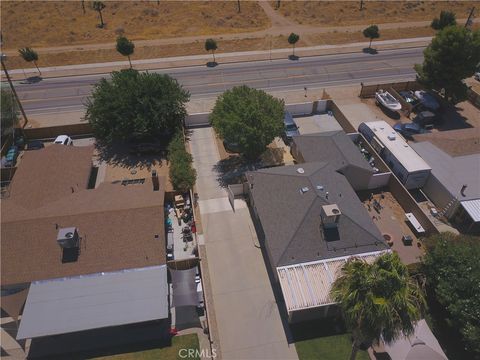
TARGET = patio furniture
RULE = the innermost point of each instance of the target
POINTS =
(407, 240)
(179, 201)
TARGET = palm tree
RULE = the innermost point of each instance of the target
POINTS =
(378, 300)
(125, 47)
(99, 6)
(30, 55)
(292, 40)
(211, 45)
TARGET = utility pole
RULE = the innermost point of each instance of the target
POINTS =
(361, 5)
(3, 57)
(469, 21)
(238, 5)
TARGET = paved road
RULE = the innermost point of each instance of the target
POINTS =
(57, 94)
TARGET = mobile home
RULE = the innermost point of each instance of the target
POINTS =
(404, 162)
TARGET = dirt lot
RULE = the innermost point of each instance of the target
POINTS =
(224, 46)
(340, 13)
(55, 23)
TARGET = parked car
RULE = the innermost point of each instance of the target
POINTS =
(409, 129)
(427, 100)
(10, 159)
(425, 118)
(64, 140)
(409, 97)
(291, 128)
(35, 145)
(477, 76)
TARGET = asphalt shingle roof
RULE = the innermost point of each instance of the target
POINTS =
(291, 219)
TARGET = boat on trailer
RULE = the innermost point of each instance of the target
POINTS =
(387, 100)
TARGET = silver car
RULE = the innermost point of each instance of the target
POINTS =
(291, 128)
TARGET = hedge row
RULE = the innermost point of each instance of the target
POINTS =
(182, 174)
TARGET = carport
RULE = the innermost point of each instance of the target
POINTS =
(72, 304)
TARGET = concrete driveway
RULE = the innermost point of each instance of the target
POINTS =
(247, 316)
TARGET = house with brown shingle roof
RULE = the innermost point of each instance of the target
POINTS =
(109, 241)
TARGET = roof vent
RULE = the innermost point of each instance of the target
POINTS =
(303, 190)
(330, 215)
(300, 170)
(392, 136)
(67, 238)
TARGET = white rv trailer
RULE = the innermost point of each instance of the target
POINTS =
(404, 162)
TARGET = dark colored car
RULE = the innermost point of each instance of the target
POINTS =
(426, 118)
(409, 129)
(409, 97)
(35, 145)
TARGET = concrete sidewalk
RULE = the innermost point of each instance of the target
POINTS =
(222, 58)
(248, 322)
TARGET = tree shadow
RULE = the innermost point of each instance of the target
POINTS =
(232, 169)
(370, 51)
(32, 80)
(212, 64)
(293, 57)
(126, 156)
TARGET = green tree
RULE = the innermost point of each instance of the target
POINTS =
(248, 117)
(371, 33)
(99, 6)
(292, 40)
(136, 105)
(447, 18)
(30, 55)
(9, 112)
(452, 271)
(182, 174)
(378, 300)
(211, 45)
(125, 47)
(451, 57)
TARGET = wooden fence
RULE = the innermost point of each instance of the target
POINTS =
(54, 131)
(369, 91)
(474, 97)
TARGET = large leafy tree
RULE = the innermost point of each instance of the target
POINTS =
(125, 47)
(378, 300)
(9, 112)
(451, 57)
(371, 32)
(248, 117)
(30, 55)
(452, 270)
(447, 18)
(136, 105)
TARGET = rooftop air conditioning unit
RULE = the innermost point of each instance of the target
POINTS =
(67, 238)
(330, 215)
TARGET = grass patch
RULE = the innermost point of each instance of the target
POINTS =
(168, 353)
(328, 348)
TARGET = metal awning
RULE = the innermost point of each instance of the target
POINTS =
(71, 304)
(184, 288)
(472, 207)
